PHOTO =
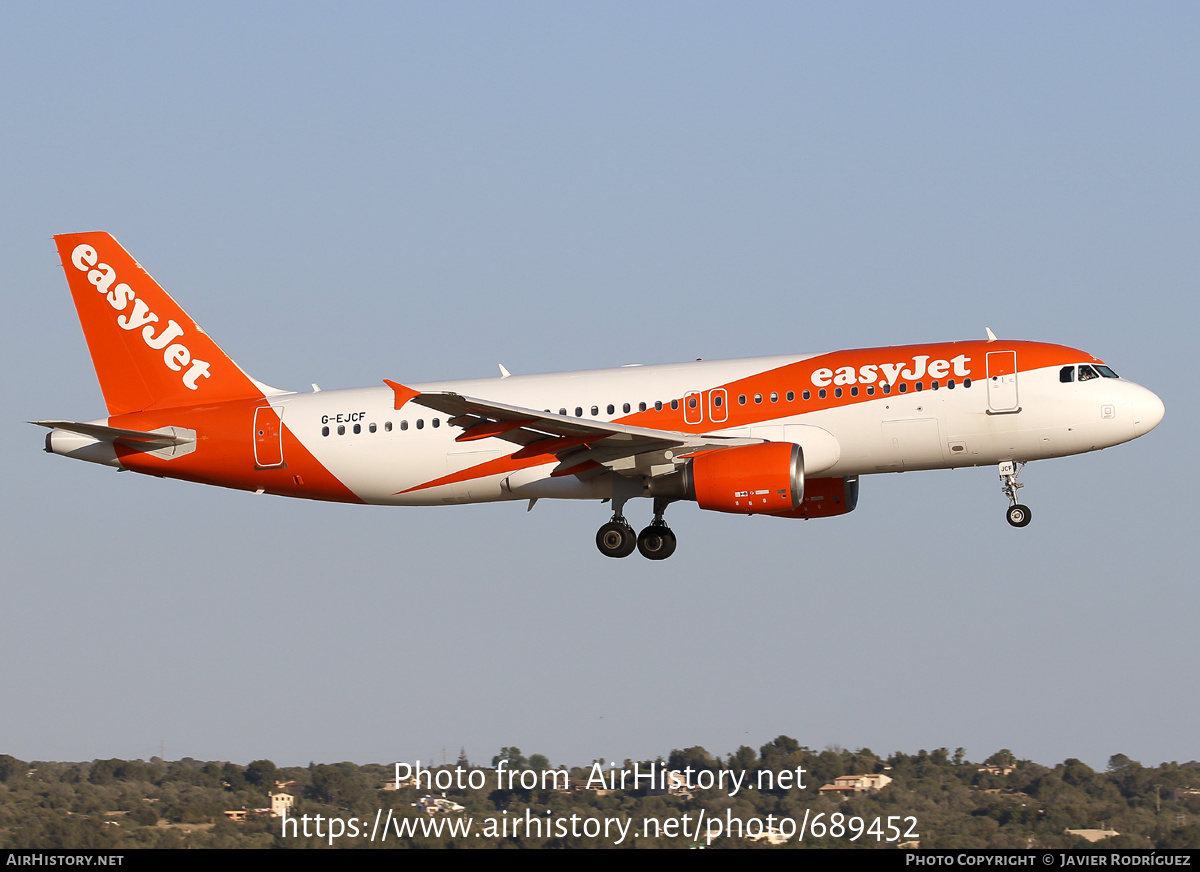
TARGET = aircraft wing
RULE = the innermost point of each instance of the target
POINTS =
(582, 447)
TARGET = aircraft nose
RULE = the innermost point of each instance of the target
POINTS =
(1148, 411)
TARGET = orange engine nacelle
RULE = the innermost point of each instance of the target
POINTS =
(825, 497)
(750, 479)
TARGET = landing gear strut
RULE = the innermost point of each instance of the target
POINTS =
(617, 539)
(1017, 514)
(657, 542)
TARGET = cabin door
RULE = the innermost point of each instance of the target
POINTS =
(1002, 382)
(268, 437)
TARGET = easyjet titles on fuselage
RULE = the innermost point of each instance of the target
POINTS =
(891, 372)
(176, 355)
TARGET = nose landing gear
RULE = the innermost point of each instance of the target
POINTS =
(1017, 514)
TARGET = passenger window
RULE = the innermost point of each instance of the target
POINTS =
(692, 402)
(611, 408)
(791, 395)
(341, 429)
(658, 405)
(675, 405)
(1066, 375)
(372, 427)
(625, 408)
(579, 411)
(903, 387)
(821, 393)
(870, 390)
(758, 398)
(718, 401)
(774, 397)
(420, 423)
(641, 407)
(837, 392)
(741, 399)
(324, 431)
(920, 386)
(404, 425)
(357, 429)
(562, 412)
(950, 384)
(436, 422)
(387, 425)
(887, 389)
(854, 391)
(807, 395)
(935, 386)
(966, 383)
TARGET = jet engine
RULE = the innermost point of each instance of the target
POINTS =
(762, 479)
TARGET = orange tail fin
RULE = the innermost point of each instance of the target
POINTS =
(147, 351)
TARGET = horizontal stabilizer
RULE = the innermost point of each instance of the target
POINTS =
(146, 441)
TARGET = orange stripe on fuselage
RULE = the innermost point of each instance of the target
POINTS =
(798, 377)
(499, 466)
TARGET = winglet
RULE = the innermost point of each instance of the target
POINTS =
(403, 394)
(991, 335)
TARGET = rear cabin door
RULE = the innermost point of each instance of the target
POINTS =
(268, 437)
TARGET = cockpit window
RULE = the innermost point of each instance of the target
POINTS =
(1086, 373)
(1106, 371)
(1066, 375)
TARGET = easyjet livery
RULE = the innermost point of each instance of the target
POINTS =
(785, 436)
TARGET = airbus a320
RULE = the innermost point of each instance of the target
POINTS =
(787, 436)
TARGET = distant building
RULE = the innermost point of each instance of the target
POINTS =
(1092, 835)
(998, 770)
(281, 803)
(849, 785)
(436, 804)
(771, 834)
(673, 784)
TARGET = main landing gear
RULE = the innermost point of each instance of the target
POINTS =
(616, 538)
(1017, 514)
(656, 542)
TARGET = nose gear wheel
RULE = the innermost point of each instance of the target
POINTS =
(1017, 514)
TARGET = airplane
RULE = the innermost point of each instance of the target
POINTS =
(783, 436)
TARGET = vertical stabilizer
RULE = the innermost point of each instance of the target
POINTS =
(147, 350)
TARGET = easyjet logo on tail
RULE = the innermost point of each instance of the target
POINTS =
(176, 355)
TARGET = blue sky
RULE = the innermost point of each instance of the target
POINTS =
(341, 194)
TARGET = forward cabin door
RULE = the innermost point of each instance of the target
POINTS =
(268, 437)
(1002, 382)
